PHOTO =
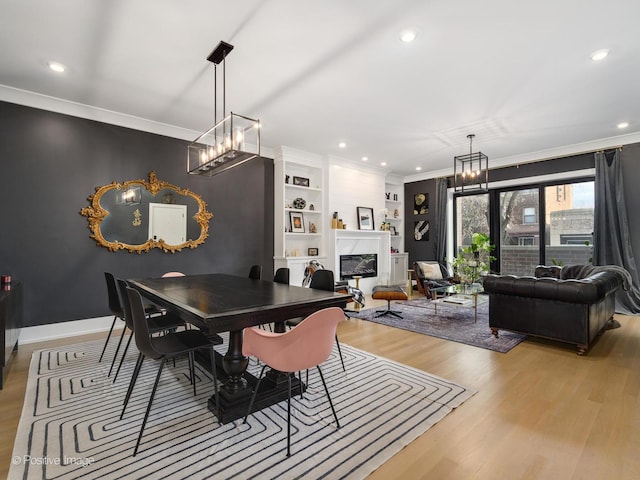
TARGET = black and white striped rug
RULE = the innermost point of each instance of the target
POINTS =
(70, 426)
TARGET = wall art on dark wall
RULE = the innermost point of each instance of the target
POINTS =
(421, 204)
(421, 231)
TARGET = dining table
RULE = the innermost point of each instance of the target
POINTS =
(217, 303)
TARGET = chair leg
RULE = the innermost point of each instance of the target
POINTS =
(215, 382)
(192, 372)
(132, 382)
(124, 354)
(340, 352)
(113, 324)
(328, 396)
(117, 350)
(253, 396)
(146, 415)
(289, 416)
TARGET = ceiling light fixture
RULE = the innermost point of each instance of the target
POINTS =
(471, 171)
(57, 67)
(232, 141)
(408, 36)
(622, 125)
(364, 159)
(418, 168)
(599, 54)
(342, 145)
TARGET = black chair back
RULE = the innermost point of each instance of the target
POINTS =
(140, 325)
(124, 301)
(256, 272)
(112, 292)
(282, 276)
(322, 280)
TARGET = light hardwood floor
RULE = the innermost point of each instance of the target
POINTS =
(541, 411)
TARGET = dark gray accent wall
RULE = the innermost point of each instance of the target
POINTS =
(423, 249)
(50, 163)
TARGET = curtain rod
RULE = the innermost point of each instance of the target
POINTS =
(600, 150)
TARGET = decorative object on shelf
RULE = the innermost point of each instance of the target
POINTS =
(334, 220)
(388, 195)
(421, 204)
(393, 230)
(471, 171)
(340, 224)
(286, 179)
(312, 252)
(301, 181)
(421, 231)
(365, 218)
(395, 197)
(312, 227)
(232, 141)
(299, 203)
(396, 213)
(311, 207)
(297, 222)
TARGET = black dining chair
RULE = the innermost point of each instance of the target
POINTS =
(321, 280)
(157, 324)
(282, 275)
(256, 272)
(116, 309)
(163, 348)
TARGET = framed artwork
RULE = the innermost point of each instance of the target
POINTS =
(365, 218)
(393, 230)
(297, 222)
(421, 204)
(421, 231)
(312, 252)
(301, 181)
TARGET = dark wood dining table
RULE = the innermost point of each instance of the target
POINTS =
(218, 303)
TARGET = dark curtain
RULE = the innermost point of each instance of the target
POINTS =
(612, 244)
(440, 227)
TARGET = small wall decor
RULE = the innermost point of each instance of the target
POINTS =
(365, 218)
(421, 203)
(137, 218)
(297, 222)
(299, 203)
(421, 231)
(301, 181)
(393, 230)
(312, 252)
(312, 227)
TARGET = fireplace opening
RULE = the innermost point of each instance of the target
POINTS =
(363, 265)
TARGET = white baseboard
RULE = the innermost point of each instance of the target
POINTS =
(55, 331)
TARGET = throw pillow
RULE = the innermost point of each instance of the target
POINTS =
(430, 270)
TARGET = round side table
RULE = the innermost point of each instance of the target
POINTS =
(357, 279)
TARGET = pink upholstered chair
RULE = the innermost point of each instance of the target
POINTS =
(306, 346)
(173, 274)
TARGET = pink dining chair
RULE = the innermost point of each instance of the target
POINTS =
(306, 346)
(173, 274)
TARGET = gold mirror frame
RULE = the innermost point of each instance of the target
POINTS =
(96, 214)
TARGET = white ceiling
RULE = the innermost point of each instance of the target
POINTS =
(517, 74)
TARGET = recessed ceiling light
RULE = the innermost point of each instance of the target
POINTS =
(57, 67)
(364, 159)
(384, 164)
(623, 124)
(418, 168)
(599, 54)
(408, 36)
(342, 145)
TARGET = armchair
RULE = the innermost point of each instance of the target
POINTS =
(431, 274)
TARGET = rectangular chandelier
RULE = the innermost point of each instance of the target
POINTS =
(231, 142)
(471, 171)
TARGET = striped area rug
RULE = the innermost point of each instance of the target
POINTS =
(70, 426)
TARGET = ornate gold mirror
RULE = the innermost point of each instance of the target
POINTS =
(139, 215)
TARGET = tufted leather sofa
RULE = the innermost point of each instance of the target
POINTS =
(571, 304)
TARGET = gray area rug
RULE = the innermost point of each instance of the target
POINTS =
(70, 426)
(451, 323)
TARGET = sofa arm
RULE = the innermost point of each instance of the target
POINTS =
(589, 290)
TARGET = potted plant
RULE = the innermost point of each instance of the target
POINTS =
(473, 261)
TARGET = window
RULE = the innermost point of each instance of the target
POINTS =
(524, 241)
(529, 215)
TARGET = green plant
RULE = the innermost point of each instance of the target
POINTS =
(473, 261)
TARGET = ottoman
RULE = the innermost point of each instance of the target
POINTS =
(388, 293)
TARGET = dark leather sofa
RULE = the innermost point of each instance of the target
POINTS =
(571, 304)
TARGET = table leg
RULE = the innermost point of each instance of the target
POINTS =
(434, 297)
(475, 308)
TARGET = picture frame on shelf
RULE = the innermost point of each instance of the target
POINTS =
(297, 222)
(301, 181)
(312, 252)
(365, 218)
(392, 230)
